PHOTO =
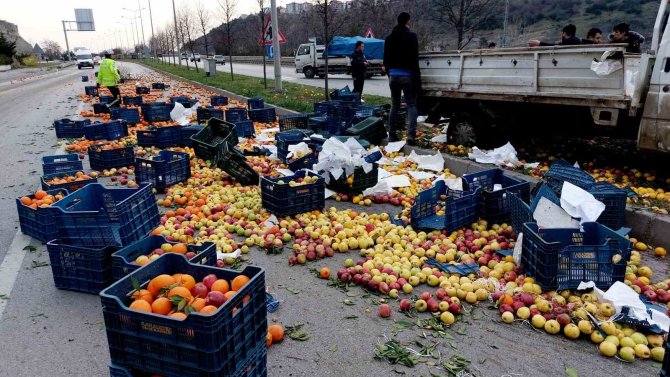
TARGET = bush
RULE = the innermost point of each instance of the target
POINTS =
(4, 60)
(28, 60)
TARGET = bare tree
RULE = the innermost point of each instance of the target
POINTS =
(261, 14)
(228, 10)
(328, 17)
(185, 23)
(52, 49)
(203, 18)
(464, 16)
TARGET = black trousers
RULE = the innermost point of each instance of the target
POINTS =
(358, 84)
(116, 93)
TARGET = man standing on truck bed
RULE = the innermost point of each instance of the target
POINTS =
(109, 76)
(623, 34)
(359, 67)
(401, 61)
(568, 38)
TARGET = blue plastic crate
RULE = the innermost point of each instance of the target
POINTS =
(91, 90)
(563, 258)
(70, 186)
(61, 163)
(123, 260)
(39, 223)
(305, 162)
(185, 101)
(161, 137)
(203, 114)
(119, 371)
(142, 90)
(106, 131)
(236, 114)
(284, 200)
(317, 123)
(158, 85)
(130, 116)
(132, 100)
(76, 267)
(665, 367)
(494, 206)
(290, 137)
(265, 115)
(371, 129)
(337, 126)
(187, 132)
(66, 128)
(98, 216)
(255, 103)
(245, 128)
(614, 198)
(560, 171)
(105, 99)
(164, 170)
(218, 101)
(100, 108)
(156, 111)
(361, 181)
(235, 164)
(215, 141)
(460, 208)
(84, 78)
(290, 122)
(228, 342)
(101, 159)
(321, 107)
(521, 212)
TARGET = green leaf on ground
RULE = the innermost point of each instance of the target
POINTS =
(295, 291)
(348, 302)
(29, 248)
(394, 353)
(571, 372)
(294, 332)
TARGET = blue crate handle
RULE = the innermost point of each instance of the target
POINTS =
(373, 157)
(462, 269)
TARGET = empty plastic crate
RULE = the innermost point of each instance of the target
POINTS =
(245, 128)
(371, 129)
(266, 115)
(460, 208)
(156, 111)
(218, 101)
(614, 198)
(106, 131)
(105, 99)
(290, 122)
(132, 100)
(360, 181)
(70, 186)
(235, 165)
(305, 162)
(158, 85)
(317, 123)
(495, 186)
(560, 171)
(142, 90)
(321, 107)
(228, 342)
(203, 114)
(91, 90)
(84, 78)
(187, 132)
(66, 128)
(215, 140)
(61, 163)
(286, 138)
(161, 137)
(522, 212)
(236, 114)
(39, 223)
(99, 216)
(255, 103)
(284, 200)
(80, 268)
(563, 258)
(164, 170)
(101, 159)
(123, 260)
(100, 108)
(131, 116)
(185, 101)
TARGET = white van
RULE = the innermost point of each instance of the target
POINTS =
(84, 58)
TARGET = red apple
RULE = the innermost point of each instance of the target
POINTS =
(199, 290)
(425, 296)
(384, 310)
(405, 305)
(209, 280)
(215, 298)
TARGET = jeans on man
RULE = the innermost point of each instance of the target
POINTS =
(402, 85)
(358, 84)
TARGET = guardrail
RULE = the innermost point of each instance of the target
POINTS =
(285, 60)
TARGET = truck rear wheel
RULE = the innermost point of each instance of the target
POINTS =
(464, 129)
(309, 72)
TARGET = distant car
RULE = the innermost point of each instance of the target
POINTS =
(220, 59)
(184, 56)
(96, 60)
(195, 57)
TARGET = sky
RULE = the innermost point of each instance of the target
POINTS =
(41, 19)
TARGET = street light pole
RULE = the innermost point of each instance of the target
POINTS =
(151, 21)
(176, 31)
(275, 45)
(139, 9)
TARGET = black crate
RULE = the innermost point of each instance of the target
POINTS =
(236, 114)
(494, 206)
(91, 90)
(215, 140)
(360, 180)
(132, 100)
(61, 163)
(218, 101)
(286, 138)
(66, 128)
(142, 90)
(131, 116)
(161, 137)
(203, 114)
(100, 108)
(614, 198)
(245, 128)
(80, 268)
(70, 186)
(235, 165)
(266, 115)
(255, 103)
(156, 111)
(371, 129)
(289, 122)
(113, 130)
(158, 86)
(187, 132)
(283, 199)
(39, 223)
(164, 170)
(101, 159)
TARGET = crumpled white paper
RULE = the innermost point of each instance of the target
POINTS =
(394, 146)
(271, 221)
(428, 162)
(442, 138)
(235, 254)
(421, 175)
(181, 115)
(550, 216)
(381, 188)
(580, 204)
(285, 172)
(302, 147)
(383, 174)
(328, 193)
(338, 158)
(385, 161)
(620, 295)
(501, 156)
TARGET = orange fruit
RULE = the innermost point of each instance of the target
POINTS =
(220, 285)
(179, 248)
(26, 200)
(239, 282)
(176, 277)
(324, 273)
(209, 309)
(277, 332)
(162, 306)
(245, 299)
(186, 281)
(178, 315)
(160, 282)
(143, 294)
(180, 291)
(229, 294)
(141, 305)
(40, 194)
(508, 299)
(268, 339)
(198, 304)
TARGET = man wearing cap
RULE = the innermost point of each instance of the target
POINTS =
(109, 76)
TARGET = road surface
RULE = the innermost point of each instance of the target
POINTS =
(50, 332)
(377, 85)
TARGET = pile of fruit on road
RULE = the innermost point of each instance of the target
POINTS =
(433, 275)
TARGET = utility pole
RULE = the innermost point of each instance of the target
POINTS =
(275, 45)
(144, 41)
(67, 43)
(151, 21)
(325, 50)
(504, 41)
(176, 31)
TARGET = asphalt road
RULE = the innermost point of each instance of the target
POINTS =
(377, 85)
(49, 332)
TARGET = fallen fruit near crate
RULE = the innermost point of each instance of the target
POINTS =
(178, 248)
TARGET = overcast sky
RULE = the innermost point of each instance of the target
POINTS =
(41, 19)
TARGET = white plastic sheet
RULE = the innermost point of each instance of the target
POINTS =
(428, 162)
(620, 295)
(442, 138)
(580, 204)
(181, 115)
(606, 66)
(295, 149)
(421, 174)
(284, 172)
(505, 156)
(550, 216)
(338, 158)
(394, 146)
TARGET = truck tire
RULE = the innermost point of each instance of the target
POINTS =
(465, 129)
(309, 72)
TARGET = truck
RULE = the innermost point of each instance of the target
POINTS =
(491, 94)
(84, 57)
(310, 57)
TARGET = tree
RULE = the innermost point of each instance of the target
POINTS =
(228, 10)
(331, 21)
(7, 47)
(184, 22)
(203, 18)
(464, 16)
(52, 49)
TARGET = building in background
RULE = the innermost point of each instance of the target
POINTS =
(297, 8)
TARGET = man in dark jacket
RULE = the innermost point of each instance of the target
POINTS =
(401, 62)
(359, 67)
(623, 34)
(568, 38)
(593, 37)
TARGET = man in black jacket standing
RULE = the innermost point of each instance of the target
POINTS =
(401, 62)
(359, 67)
